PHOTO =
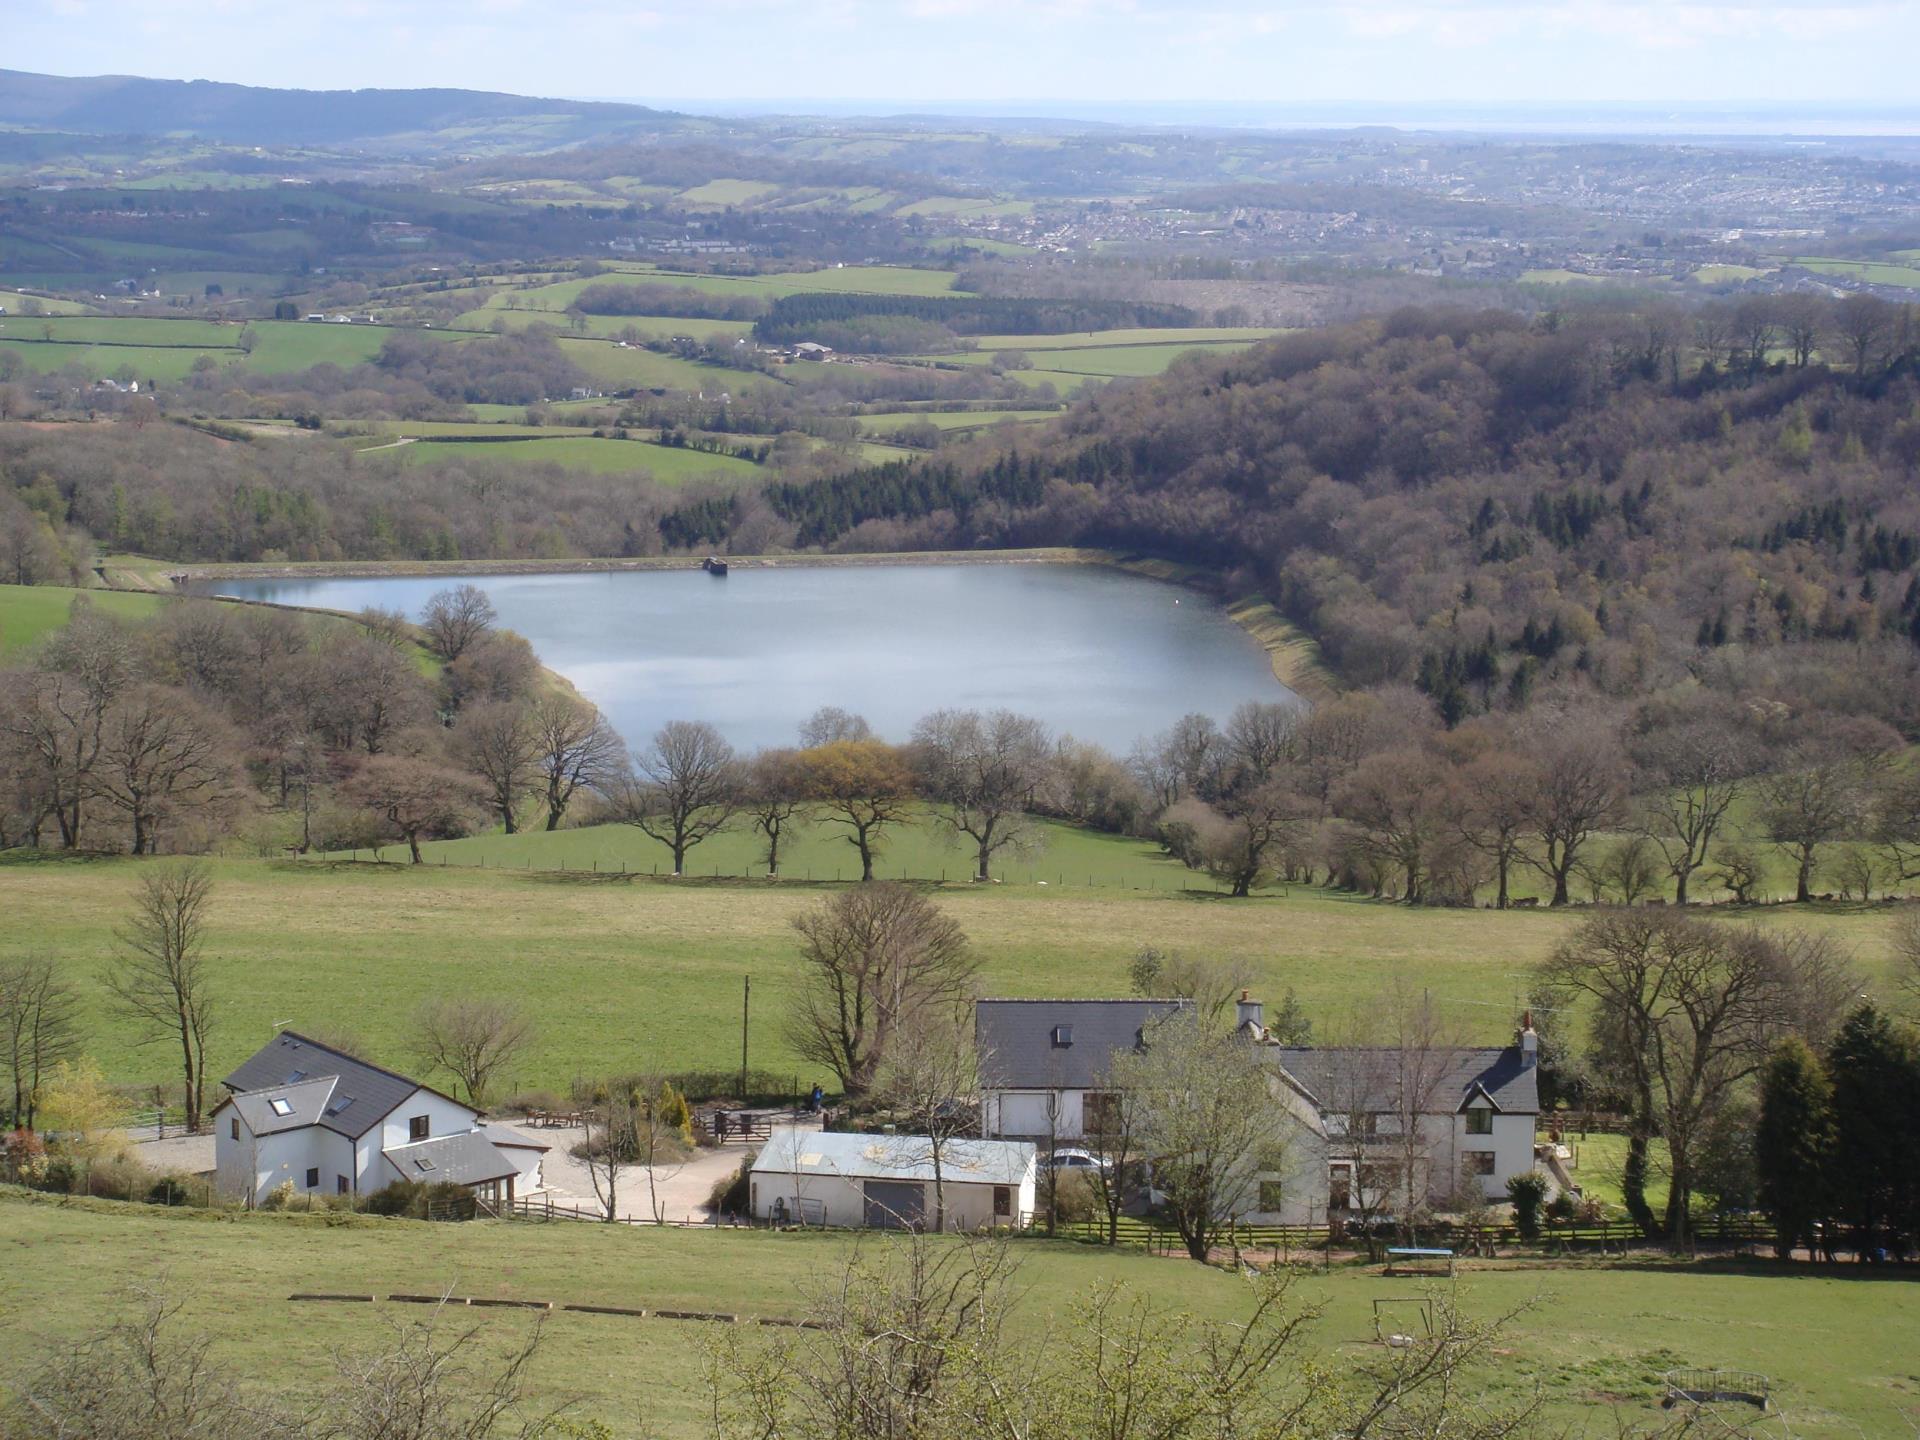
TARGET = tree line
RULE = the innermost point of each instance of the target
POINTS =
(795, 317)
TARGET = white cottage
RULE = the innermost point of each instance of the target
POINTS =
(301, 1111)
(1044, 1063)
(888, 1182)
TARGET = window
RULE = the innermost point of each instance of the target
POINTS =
(341, 1185)
(1339, 1187)
(1272, 1196)
(296, 1075)
(419, 1127)
(1100, 1113)
(280, 1105)
(313, 1177)
(422, 1164)
(1477, 1162)
(1002, 1201)
(1062, 1036)
(1479, 1121)
(339, 1105)
(233, 1126)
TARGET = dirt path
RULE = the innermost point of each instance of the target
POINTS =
(682, 1190)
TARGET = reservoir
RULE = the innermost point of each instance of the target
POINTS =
(1094, 652)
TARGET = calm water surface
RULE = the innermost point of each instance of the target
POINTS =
(1097, 653)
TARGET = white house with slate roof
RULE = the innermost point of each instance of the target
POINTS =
(301, 1111)
(813, 1177)
(1044, 1064)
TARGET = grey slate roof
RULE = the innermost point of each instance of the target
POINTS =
(466, 1159)
(1016, 1040)
(306, 1102)
(1351, 1077)
(289, 1058)
(793, 1150)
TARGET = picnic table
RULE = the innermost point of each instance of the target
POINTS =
(1418, 1260)
(556, 1119)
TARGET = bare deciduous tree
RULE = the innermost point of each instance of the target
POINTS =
(829, 724)
(686, 789)
(1580, 784)
(1209, 1116)
(415, 797)
(930, 1078)
(982, 772)
(1694, 768)
(498, 741)
(473, 1040)
(38, 1027)
(576, 749)
(1684, 1011)
(456, 619)
(774, 798)
(160, 980)
(875, 959)
(164, 756)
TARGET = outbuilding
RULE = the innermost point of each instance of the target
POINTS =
(812, 1177)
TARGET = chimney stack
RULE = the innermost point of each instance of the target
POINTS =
(1250, 1012)
(1529, 1042)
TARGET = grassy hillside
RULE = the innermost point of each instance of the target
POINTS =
(29, 613)
(665, 463)
(643, 973)
(1836, 1346)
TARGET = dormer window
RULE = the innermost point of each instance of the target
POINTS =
(1062, 1036)
(280, 1105)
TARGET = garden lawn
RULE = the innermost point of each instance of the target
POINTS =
(1596, 1340)
(640, 973)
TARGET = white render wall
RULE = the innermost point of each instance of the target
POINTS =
(968, 1205)
(248, 1169)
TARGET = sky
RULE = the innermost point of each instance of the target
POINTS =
(1752, 54)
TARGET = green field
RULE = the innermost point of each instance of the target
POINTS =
(1098, 339)
(669, 465)
(167, 349)
(645, 369)
(650, 327)
(1560, 277)
(29, 613)
(1108, 361)
(1837, 1346)
(951, 419)
(1726, 274)
(1870, 272)
(719, 194)
(637, 973)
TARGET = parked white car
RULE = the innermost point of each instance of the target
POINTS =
(1073, 1158)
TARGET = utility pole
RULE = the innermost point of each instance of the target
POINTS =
(746, 1005)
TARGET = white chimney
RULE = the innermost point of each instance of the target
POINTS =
(1529, 1043)
(1250, 1012)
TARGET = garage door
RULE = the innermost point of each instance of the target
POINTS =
(895, 1204)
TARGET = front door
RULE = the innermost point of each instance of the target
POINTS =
(895, 1204)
